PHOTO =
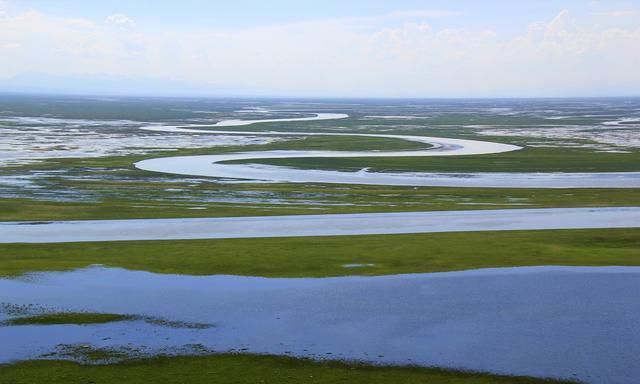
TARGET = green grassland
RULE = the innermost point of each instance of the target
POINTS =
(149, 201)
(525, 160)
(67, 318)
(326, 256)
(447, 124)
(239, 369)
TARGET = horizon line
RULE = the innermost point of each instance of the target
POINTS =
(299, 97)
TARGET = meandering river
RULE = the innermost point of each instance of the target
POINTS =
(217, 166)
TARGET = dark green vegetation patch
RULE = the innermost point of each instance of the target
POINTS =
(83, 318)
(524, 160)
(239, 369)
(68, 318)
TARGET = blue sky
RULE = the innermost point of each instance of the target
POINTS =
(330, 48)
(195, 14)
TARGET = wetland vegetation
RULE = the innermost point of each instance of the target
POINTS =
(67, 318)
(107, 186)
(327, 256)
(241, 369)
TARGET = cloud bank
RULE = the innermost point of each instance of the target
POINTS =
(119, 20)
(403, 56)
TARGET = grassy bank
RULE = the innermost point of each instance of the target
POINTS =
(238, 369)
(147, 199)
(326, 256)
(526, 160)
(67, 318)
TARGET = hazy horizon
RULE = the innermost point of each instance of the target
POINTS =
(302, 99)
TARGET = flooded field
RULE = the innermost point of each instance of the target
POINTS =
(525, 321)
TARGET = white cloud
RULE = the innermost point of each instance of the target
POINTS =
(120, 20)
(559, 23)
(364, 22)
(403, 57)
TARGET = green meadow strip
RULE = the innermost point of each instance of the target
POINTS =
(332, 256)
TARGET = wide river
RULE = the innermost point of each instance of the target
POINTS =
(319, 225)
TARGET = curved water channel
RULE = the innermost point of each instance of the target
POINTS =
(216, 166)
